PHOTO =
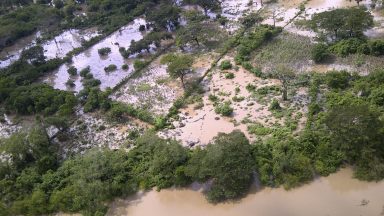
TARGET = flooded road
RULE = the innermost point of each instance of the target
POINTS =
(336, 195)
(97, 63)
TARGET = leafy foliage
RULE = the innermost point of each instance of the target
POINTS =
(343, 22)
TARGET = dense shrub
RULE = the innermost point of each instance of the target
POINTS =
(376, 47)
(229, 75)
(84, 72)
(347, 46)
(138, 65)
(338, 80)
(275, 105)
(320, 53)
(40, 98)
(72, 71)
(104, 51)
(225, 65)
(224, 109)
(227, 162)
(254, 40)
(110, 68)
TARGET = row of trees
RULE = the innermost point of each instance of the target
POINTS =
(34, 182)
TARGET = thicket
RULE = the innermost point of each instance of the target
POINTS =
(36, 182)
(254, 40)
(19, 95)
(343, 30)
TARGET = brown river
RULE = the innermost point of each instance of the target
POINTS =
(336, 195)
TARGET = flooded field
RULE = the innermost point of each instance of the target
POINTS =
(199, 124)
(154, 90)
(336, 195)
(97, 63)
(57, 47)
(93, 130)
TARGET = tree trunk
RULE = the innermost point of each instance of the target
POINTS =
(285, 92)
(197, 41)
(205, 11)
(182, 82)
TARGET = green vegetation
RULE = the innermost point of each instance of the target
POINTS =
(110, 68)
(72, 71)
(138, 65)
(84, 183)
(225, 65)
(205, 4)
(224, 109)
(179, 66)
(26, 20)
(345, 124)
(320, 53)
(125, 67)
(342, 23)
(199, 31)
(346, 47)
(145, 43)
(229, 75)
(104, 51)
(254, 40)
(228, 162)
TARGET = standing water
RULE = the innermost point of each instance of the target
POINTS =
(336, 195)
(57, 47)
(97, 63)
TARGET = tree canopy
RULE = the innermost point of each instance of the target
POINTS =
(342, 22)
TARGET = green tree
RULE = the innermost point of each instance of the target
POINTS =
(354, 128)
(197, 30)
(228, 163)
(286, 77)
(33, 55)
(342, 23)
(205, 4)
(178, 66)
(164, 16)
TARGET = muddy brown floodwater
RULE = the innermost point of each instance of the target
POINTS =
(336, 195)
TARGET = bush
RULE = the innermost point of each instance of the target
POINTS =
(346, 47)
(259, 130)
(138, 65)
(320, 53)
(338, 80)
(225, 65)
(125, 67)
(72, 71)
(376, 47)
(70, 83)
(229, 75)
(254, 40)
(224, 109)
(213, 98)
(85, 71)
(275, 105)
(104, 51)
(110, 68)
(227, 162)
